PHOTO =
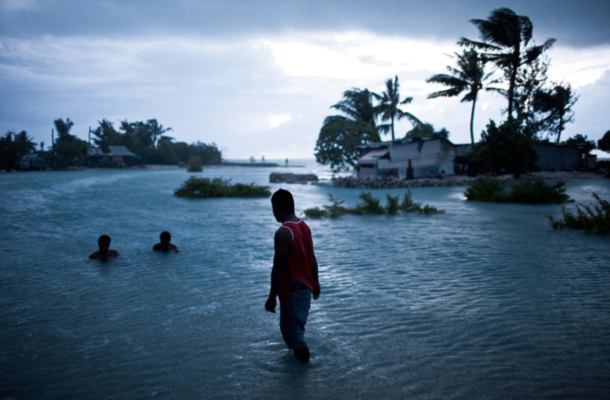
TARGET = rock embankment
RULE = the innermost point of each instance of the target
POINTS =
(389, 182)
(278, 177)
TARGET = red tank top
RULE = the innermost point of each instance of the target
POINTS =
(299, 261)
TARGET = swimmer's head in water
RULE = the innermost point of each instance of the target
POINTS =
(165, 237)
(283, 201)
(104, 242)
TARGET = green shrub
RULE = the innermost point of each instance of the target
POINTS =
(203, 188)
(371, 205)
(538, 192)
(315, 212)
(194, 164)
(486, 189)
(391, 207)
(526, 192)
(593, 218)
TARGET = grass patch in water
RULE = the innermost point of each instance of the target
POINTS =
(594, 218)
(204, 188)
(525, 192)
(371, 205)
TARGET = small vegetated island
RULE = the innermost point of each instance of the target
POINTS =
(536, 191)
(371, 205)
(204, 188)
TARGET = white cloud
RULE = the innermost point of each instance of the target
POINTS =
(19, 4)
(261, 95)
(579, 67)
(277, 120)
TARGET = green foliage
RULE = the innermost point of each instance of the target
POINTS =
(538, 192)
(593, 218)
(371, 205)
(556, 104)
(315, 212)
(469, 76)
(391, 207)
(203, 188)
(583, 143)
(604, 143)
(426, 130)
(194, 164)
(69, 149)
(339, 136)
(524, 192)
(486, 189)
(508, 147)
(389, 106)
(105, 135)
(13, 146)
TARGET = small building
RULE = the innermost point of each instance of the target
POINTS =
(556, 156)
(33, 162)
(117, 156)
(408, 158)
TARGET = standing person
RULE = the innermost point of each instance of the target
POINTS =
(294, 276)
(104, 252)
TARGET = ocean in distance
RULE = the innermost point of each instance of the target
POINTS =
(483, 302)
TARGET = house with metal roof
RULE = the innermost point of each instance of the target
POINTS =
(116, 156)
(408, 158)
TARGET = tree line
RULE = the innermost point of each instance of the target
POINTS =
(506, 60)
(147, 140)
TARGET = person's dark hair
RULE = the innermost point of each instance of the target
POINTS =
(165, 237)
(103, 238)
(283, 200)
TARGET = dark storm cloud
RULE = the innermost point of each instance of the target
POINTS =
(573, 23)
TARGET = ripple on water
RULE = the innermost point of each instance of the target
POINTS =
(485, 301)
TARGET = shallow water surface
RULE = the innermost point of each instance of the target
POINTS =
(485, 301)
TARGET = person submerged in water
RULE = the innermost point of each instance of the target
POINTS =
(104, 252)
(294, 277)
(165, 244)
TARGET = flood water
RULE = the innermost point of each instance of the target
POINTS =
(483, 302)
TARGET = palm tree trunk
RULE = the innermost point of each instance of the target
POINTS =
(392, 128)
(511, 92)
(474, 102)
(560, 128)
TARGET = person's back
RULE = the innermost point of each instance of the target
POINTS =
(294, 276)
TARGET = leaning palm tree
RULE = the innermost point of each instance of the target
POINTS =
(557, 103)
(341, 135)
(468, 76)
(506, 38)
(358, 105)
(388, 107)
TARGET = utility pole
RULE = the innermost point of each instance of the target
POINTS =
(53, 140)
(89, 136)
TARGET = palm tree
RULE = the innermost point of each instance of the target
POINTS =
(358, 105)
(468, 76)
(506, 37)
(557, 102)
(388, 107)
(341, 135)
(63, 127)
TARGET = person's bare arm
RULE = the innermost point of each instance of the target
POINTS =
(282, 240)
(314, 275)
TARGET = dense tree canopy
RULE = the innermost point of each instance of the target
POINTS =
(339, 137)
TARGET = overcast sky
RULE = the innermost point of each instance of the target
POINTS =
(258, 77)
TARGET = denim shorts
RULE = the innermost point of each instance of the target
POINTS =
(293, 317)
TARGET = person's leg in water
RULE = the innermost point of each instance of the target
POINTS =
(293, 317)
